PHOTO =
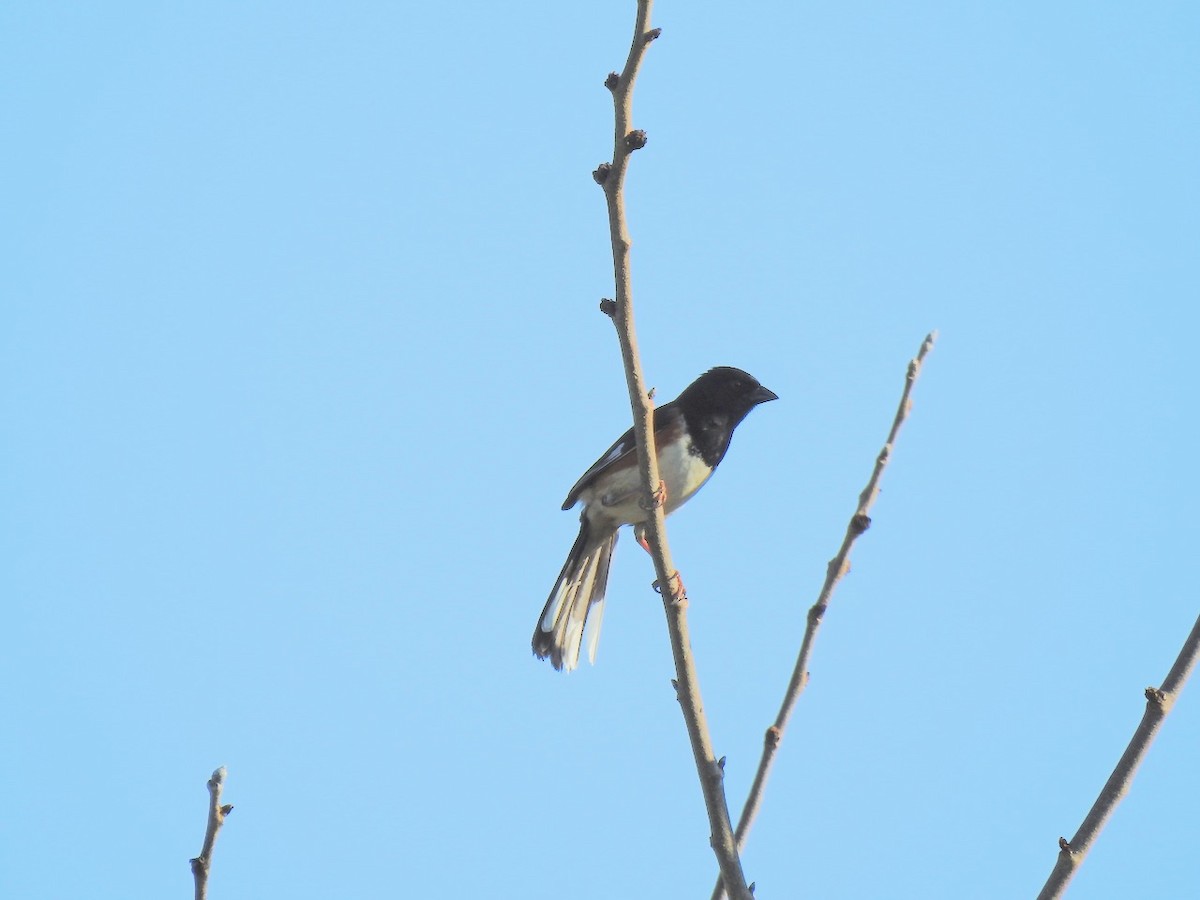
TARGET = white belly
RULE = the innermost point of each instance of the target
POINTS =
(682, 472)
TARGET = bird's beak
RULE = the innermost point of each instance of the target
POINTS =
(762, 395)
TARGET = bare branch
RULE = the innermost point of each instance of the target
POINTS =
(837, 568)
(216, 818)
(1158, 703)
(611, 176)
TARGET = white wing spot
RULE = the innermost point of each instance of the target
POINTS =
(615, 453)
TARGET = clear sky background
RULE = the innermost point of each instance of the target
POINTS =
(300, 353)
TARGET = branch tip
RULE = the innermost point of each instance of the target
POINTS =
(1064, 845)
(612, 81)
(721, 764)
(216, 818)
(652, 35)
(608, 307)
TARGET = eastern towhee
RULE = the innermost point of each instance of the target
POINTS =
(691, 435)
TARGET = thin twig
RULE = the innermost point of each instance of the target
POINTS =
(612, 177)
(1158, 703)
(837, 568)
(216, 818)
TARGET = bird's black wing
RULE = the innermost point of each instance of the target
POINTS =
(622, 454)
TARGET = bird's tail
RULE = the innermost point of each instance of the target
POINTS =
(578, 592)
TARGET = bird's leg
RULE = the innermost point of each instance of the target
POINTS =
(658, 498)
(677, 596)
(639, 535)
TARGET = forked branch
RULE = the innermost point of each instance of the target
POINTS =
(837, 568)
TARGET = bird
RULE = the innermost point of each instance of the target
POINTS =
(691, 436)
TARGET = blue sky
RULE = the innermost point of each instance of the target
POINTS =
(301, 351)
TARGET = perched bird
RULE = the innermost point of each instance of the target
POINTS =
(691, 435)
